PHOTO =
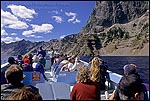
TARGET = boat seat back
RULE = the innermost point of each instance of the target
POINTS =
(67, 77)
(45, 91)
(61, 91)
(54, 91)
(33, 77)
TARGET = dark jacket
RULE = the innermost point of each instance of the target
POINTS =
(8, 89)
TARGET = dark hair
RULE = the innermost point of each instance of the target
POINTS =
(11, 60)
(14, 74)
(26, 93)
(19, 56)
(40, 47)
(129, 85)
(130, 69)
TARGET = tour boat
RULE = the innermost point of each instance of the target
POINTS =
(60, 83)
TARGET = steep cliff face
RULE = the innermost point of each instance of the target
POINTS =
(114, 28)
(107, 13)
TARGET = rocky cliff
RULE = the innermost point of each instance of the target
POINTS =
(107, 13)
(114, 28)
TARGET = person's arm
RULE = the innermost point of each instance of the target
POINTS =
(74, 65)
(111, 97)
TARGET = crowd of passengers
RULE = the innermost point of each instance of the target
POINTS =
(90, 80)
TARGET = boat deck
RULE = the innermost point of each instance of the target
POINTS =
(59, 86)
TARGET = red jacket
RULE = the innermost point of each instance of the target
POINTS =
(82, 91)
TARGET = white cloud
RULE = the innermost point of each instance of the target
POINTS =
(73, 19)
(70, 14)
(3, 32)
(10, 39)
(14, 34)
(44, 28)
(27, 33)
(76, 21)
(61, 10)
(61, 37)
(34, 36)
(7, 39)
(70, 20)
(58, 19)
(18, 39)
(22, 11)
(20, 25)
(10, 21)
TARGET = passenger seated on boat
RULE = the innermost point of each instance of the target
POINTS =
(26, 93)
(84, 89)
(70, 63)
(59, 67)
(96, 72)
(56, 58)
(30, 58)
(11, 61)
(37, 66)
(27, 66)
(77, 64)
(128, 70)
(73, 64)
(130, 87)
(14, 76)
(19, 60)
(61, 58)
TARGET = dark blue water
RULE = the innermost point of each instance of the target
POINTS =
(116, 63)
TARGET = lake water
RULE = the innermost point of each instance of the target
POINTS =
(116, 63)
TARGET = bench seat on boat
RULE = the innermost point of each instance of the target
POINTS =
(54, 91)
(33, 77)
(67, 77)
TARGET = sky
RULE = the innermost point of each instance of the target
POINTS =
(43, 20)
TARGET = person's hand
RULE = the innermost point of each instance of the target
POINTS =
(77, 59)
(112, 96)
